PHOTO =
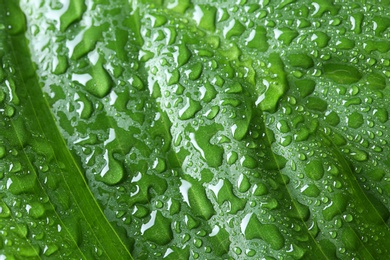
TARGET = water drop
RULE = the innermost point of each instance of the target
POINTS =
(182, 55)
(355, 120)
(232, 157)
(234, 28)
(252, 228)
(381, 114)
(243, 183)
(248, 162)
(300, 60)
(342, 73)
(314, 170)
(4, 210)
(157, 229)
(258, 40)
(310, 190)
(50, 249)
(195, 71)
(2, 152)
(189, 109)
(205, 16)
(337, 205)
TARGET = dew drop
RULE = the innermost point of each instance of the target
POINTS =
(252, 228)
(314, 170)
(4, 210)
(157, 229)
(355, 120)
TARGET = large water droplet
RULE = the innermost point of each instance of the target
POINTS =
(252, 228)
(342, 73)
(314, 170)
(157, 229)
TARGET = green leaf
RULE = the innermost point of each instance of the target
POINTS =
(194, 129)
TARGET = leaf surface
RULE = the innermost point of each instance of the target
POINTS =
(195, 129)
